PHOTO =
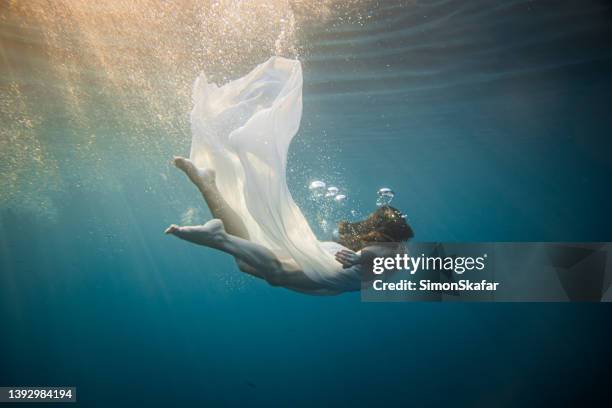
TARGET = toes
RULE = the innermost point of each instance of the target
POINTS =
(171, 229)
(180, 162)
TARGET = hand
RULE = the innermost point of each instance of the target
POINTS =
(348, 258)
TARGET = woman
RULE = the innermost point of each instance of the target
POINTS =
(240, 137)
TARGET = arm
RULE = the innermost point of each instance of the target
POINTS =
(366, 256)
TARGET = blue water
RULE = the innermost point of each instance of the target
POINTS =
(490, 121)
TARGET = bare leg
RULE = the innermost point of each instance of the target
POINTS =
(264, 263)
(204, 179)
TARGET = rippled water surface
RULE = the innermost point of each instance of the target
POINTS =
(488, 120)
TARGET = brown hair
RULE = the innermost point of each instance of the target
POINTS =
(386, 224)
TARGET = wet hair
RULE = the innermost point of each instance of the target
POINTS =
(386, 224)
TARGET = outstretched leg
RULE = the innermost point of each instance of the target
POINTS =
(204, 179)
(265, 264)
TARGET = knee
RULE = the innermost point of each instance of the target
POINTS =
(275, 275)
(243, 266)
(274, 281)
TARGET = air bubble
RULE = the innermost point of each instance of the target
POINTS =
(324, 225)
(317, 188)
(340, 198)
(385, 196)
(332, 191)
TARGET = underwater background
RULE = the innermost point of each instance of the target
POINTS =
(490, 121)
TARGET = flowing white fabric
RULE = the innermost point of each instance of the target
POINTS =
(243, 130)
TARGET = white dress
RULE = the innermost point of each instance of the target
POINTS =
(243, 130)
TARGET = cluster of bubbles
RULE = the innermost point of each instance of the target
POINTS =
(319, 189)
(329, 204)
(385, 196)
(325, 196)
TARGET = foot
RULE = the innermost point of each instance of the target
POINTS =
(210, 234)
(171, 229)
(199, 177)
